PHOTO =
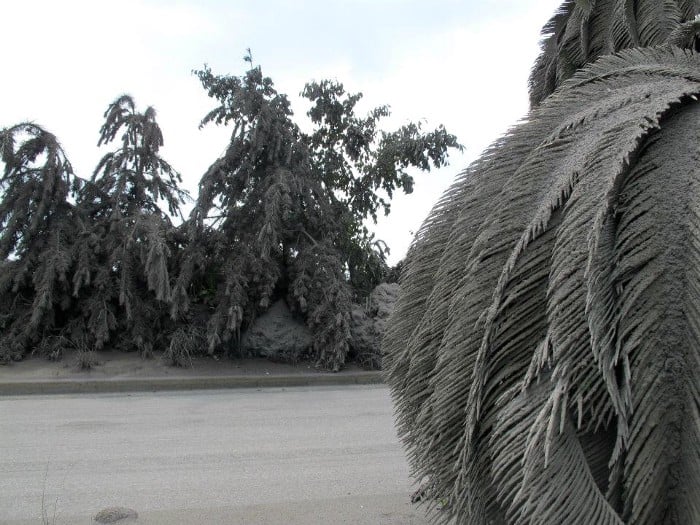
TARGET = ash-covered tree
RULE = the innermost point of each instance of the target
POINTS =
(583, 30)
(125, 255)
(544, 354)
(38, 226)
(282, 213)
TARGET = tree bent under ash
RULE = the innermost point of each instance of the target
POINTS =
(281, 215)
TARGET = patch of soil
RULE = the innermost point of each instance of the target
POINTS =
(113, 365)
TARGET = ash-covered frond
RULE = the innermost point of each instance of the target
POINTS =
(581, 31)
(542, 354)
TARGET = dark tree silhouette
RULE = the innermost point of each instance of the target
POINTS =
(125, 257)
(281, 214)
(38, 226)
(85, 260)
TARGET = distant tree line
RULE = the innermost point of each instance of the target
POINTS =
(109, 261)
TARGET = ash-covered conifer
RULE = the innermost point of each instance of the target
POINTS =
(281, 213)
(38, 225)
(125, 261)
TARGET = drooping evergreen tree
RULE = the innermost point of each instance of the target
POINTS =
(281, 214)
(38, 227)
(125, 257)
(544, 354)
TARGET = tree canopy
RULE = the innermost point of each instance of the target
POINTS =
(86, 262)
(281, 215)
(39, 226)
(122, 275)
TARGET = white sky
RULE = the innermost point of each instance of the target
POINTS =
(462, 63)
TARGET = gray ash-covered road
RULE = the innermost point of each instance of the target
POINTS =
(269, 456)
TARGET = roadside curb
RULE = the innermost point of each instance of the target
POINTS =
(150, 384)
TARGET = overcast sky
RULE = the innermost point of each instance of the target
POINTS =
(461, 63)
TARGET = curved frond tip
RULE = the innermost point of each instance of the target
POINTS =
(545, 347)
